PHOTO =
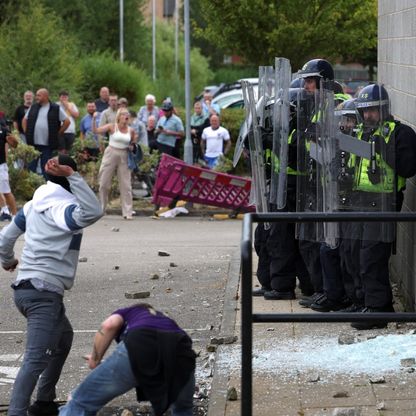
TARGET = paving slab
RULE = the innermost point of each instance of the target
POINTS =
(293, 374)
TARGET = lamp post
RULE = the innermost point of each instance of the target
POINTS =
(121, 3)
(188, 156)
(176, 36)
(154, 39)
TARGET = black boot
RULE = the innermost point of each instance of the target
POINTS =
(373, 324)
(39, 408)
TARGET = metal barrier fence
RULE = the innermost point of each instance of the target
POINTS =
(247, 316)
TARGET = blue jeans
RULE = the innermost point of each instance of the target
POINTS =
(46, 153)
(112, 378)
(49, 339)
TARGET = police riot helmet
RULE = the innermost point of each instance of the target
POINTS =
(347, 107)
(320, 68)
(374, 95)
(337, 87)
(297, 83)
(347, 114)
(293, 99)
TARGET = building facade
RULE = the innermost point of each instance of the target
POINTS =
(397, 71)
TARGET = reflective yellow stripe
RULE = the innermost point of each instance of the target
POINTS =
(276, 161)
(362, 182)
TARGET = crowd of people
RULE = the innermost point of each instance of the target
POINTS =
(348, 270)
(111, 129)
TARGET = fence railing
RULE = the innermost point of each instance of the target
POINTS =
(247, 315)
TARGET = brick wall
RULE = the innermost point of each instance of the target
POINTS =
(397, 71)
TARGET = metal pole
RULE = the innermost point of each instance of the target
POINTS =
(121, 30)
(246, 318)
(176, 36)
(188, 156)
(154, 39)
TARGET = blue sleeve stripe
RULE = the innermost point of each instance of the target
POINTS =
(76, 242)
(20, 220)
(69, 220)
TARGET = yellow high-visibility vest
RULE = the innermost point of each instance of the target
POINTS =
(361, 180)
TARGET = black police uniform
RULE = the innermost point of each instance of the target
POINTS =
(279, 260)
(374, 255)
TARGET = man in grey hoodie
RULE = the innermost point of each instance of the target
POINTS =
(52, 222)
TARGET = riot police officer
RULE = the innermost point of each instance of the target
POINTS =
(314, 72)
(379, 182)
(342, 286)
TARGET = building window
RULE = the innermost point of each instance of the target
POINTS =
(168, 8)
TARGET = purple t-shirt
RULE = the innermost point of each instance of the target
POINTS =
(136, 317)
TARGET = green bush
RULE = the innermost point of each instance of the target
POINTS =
(23, 154)
(22, 181)
(124, 79)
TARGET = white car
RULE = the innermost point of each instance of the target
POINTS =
(232, 98)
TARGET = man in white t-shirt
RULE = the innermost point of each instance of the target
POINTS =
(213, 139)
(66, 140)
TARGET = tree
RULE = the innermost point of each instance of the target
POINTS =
(198, 22)
(259, 30)
(97, 25)
(36, 52)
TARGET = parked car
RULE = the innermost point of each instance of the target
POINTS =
(352, 86)
(233, 98)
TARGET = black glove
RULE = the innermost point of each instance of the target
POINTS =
(345, 181)
(312, 132)
(292, 160)
(374, 177)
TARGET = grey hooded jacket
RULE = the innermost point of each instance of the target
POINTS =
(52, 222)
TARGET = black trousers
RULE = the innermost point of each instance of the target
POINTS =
(367, 259)
(280, 261)
(311, 255)
(337, 282)
(349, 252)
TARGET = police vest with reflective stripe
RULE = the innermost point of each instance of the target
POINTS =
(386, 185)
(270, 156)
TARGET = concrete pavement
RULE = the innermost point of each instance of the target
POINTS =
(119, 256)
(299, 369)
(302, 369)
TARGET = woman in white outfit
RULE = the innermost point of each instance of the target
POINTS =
(122, 137)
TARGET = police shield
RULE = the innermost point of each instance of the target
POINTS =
(258, 189)
(328, 165)
(279, 153)
(263, 97)
(307, 195)
(265, 93)
(316, 182)
(241, 140)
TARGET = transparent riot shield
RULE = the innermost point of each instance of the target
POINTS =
(241, 140)
(316, 183)
(279, 154)
(328, 166)
(265, 93)
(307, 192)
(373, 184)
(258, 169)
(266, 86)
